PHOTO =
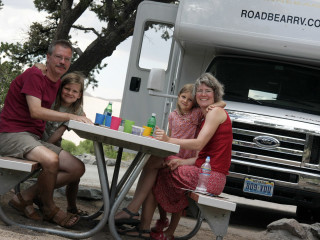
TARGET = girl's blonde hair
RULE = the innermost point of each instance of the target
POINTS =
(186, 88)
(74, 77)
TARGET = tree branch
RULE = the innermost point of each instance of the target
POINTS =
(87, 29)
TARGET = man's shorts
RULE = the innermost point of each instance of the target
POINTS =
(19, 144)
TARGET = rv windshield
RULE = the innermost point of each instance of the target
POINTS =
(273, 84)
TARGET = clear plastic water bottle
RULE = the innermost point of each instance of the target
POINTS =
(108, 109)
(204, 176)
(152, 122)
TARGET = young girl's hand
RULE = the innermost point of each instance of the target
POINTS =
(173, 164)
(210, 107)
(42, 67)
(221, 104)
(161, 135)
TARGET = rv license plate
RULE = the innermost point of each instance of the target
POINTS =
(259, 187)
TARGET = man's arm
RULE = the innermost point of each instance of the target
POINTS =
(39, 112)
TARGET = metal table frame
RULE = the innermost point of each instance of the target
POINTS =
(113, 195)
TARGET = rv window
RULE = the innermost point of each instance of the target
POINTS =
(275, 84)
(156, 45)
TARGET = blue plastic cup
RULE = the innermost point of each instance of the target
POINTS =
(108, 121)
(99, 118)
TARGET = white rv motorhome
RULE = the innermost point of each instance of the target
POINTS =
(267, 55)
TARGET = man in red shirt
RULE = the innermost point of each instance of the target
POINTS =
(26, 110)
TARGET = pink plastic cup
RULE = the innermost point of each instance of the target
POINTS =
(115, 123)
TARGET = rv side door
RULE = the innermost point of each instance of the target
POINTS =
(153, 19)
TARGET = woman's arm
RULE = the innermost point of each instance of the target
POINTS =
(57, 134)
(174, 163)
(213, 119)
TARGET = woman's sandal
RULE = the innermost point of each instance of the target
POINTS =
(140, 233)
(160, 225)
(160, 236)
(129, 221)
(63, 222)
(21, 206)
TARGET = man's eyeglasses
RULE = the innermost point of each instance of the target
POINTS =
(206, 91)
(60, 58)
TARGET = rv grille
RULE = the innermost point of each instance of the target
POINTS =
(289, 152)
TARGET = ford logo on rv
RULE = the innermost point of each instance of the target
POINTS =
(266, 142)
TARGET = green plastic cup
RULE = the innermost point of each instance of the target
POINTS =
(128, 126)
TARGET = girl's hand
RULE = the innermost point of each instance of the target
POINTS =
(42, 67)
(210, 107)
(161, 135)
(173, 164)
(221, 104)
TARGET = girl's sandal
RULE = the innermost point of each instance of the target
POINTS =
(160, 225)
(21, 206)
(78, 212)
(63, 222)
(160, 236)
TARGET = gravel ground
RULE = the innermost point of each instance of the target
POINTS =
(91, 206)
(186, 224)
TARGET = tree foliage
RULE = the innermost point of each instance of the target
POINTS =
(117, 16)
(8, 71)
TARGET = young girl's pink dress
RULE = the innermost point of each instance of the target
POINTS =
(168, 187)
(184, 126)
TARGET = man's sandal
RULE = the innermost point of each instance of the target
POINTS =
(21, 206)
(63, 222)
(128, 221)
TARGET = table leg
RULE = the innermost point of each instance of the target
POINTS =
(126, 187)
(128, 172)
(99, 153)
(113, 189)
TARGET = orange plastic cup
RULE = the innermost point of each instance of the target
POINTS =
(147, 131)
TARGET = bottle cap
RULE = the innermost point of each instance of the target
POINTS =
(208, 159)
(153, 114)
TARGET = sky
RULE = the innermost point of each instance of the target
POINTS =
(17, 15)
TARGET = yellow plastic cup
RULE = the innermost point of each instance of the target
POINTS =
(147, 131)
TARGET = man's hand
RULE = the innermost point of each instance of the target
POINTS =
(83, 119)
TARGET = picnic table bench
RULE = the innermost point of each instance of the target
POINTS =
(14, 171)
(215, 210)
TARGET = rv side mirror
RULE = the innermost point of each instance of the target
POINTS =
(156, 79)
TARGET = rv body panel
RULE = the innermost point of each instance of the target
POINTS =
(281, 28)
(139, 105)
